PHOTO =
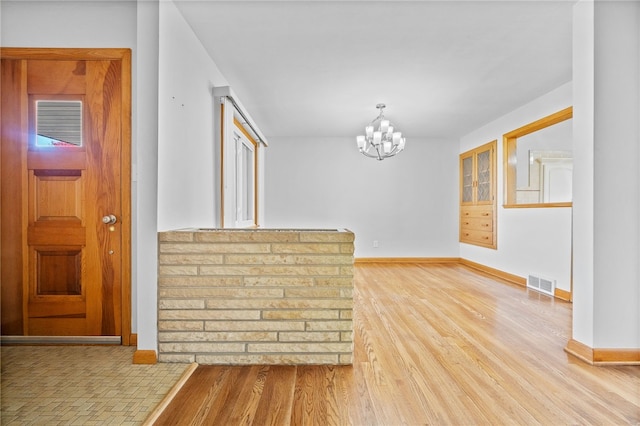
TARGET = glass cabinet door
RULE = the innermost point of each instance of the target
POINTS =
(467, 179)
(484, 176)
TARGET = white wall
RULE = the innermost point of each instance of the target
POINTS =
(408, 203)
(530, 240)
(617, 142)
(145, 178)
(608, 225)
(187, 172)
(583, 153)
(68, 24)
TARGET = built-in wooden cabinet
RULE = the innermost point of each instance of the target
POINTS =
(478, 196)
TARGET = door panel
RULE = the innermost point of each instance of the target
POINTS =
(65, 77)
(71, 262)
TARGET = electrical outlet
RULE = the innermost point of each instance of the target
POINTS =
(375, 243)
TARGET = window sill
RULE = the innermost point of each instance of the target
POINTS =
(537, 205)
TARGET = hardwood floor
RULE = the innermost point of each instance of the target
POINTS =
(434, 344)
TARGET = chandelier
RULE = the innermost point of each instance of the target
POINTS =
(380, 140)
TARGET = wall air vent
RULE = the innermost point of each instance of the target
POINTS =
(542, 285)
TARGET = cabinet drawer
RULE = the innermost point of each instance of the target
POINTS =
(476, 211)
(479, 237)
(476, 223)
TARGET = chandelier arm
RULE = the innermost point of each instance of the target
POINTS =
(392, 153)
(380, 157)
(366, 153)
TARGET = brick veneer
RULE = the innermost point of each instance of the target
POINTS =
(255, 296)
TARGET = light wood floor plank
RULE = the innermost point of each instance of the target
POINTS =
(234, 392)
(276, 403)
(434, 344)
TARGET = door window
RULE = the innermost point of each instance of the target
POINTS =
(58, 123)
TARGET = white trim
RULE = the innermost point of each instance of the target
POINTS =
(227, 92)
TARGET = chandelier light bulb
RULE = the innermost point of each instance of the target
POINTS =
(381, 139)
(401, 144)
(369, 131)
(377, 138)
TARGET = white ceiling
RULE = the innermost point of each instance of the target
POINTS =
(443, 68)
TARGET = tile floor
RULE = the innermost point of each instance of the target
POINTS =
(80, 385)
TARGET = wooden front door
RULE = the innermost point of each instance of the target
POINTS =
(65, 192)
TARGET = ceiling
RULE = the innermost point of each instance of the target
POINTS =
(443, 68)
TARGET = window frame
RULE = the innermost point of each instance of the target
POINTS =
(510, 141)
(231, 118)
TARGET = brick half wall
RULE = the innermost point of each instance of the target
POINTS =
(255, 296)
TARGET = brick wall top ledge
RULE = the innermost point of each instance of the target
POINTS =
(211, 235)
